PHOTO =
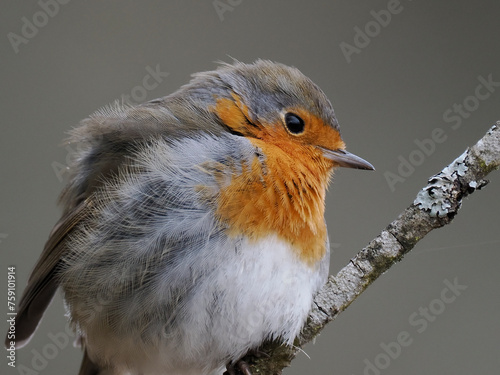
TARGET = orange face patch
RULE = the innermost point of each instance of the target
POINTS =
(316, 132)
(282, 192)
(234, 114)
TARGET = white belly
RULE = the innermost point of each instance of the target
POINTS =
(256, 291)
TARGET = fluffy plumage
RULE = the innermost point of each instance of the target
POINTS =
(193, 225)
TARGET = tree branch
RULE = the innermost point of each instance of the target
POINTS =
(435, 206)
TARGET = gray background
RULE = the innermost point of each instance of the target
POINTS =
(395, 91)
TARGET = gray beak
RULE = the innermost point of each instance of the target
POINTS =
(346, 159)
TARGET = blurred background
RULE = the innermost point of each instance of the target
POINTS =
(413, 84)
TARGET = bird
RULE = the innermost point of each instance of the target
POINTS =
(192, 225)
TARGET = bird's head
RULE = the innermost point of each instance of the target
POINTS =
(279, 105)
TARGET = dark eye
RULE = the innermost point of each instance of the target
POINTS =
(294, 123)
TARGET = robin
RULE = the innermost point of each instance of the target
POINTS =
(193, 225)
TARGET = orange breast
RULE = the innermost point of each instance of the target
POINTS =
(281, 196)
(281, 192)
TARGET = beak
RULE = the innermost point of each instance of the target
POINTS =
(346, 159)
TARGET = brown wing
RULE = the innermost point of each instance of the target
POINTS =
(43, 281)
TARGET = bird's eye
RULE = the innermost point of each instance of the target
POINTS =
(294, 123)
